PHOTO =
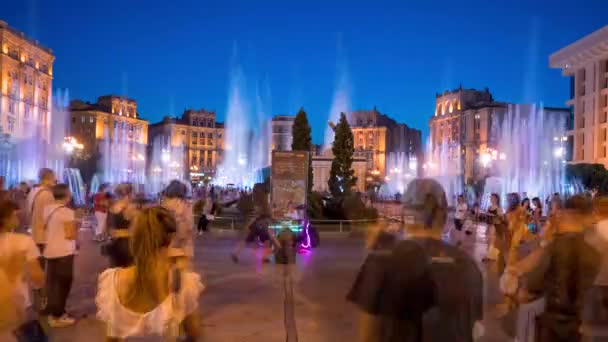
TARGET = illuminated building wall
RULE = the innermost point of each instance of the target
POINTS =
(26, 79)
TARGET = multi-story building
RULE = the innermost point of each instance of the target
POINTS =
(586, 63)
(26, 78)
(377, 135)
(321, 167)
(463, 127)
(112, 127)
(200, 136)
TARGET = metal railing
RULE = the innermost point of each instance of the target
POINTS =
(238, 223)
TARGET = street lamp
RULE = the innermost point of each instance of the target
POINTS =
(70, 144)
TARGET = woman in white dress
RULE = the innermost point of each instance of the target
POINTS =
(153, 297)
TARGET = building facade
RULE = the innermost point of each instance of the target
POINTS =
(281, 136)
(321, 167)
(199, 135)
(113, 128)
(585, 62)
(377, 135)
(26, 78)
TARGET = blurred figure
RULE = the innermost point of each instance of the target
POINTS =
(496, 230)
(61, 234)
(564, 272)
(459, 217)
(101, 202)
(18, 256)
(257, 230)
(152, 297)
(207, 216)
(19, 196)
(175, 200)
(420, 289)
(37, 200)
(120, 215)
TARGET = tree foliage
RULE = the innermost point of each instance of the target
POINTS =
(302, 140)
(342, 176)
(590, 176)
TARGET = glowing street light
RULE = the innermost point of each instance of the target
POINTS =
(70, 144)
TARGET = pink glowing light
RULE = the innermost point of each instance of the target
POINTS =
(307, 244)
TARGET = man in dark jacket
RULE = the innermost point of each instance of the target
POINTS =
(421, 288)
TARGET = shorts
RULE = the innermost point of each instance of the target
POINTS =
(458, 223)
(261, 234)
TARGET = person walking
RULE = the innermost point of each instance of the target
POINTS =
(459, 218)
(37, 200)
(152, 296)
(100, 206)
(120, 215)
(182, 246)
(18, 256)
(61, 233)
(564, 272)
(207, 216)
(438, 296)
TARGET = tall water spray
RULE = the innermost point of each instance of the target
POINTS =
(246, 144)
(122, 159)
(401, 168)
(443, 163)
(167, 163)
(531, 139)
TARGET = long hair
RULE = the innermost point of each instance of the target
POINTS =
(152, 230)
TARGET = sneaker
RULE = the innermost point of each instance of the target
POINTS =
(61, 322)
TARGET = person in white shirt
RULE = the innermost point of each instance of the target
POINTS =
(37, 200)
(152, 297)
(459, 218)
(61, 232)
(18, 255)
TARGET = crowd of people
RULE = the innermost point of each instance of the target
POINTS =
(412, 286)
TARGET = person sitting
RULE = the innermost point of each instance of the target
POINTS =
(152, 297)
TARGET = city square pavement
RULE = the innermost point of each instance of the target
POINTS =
(252, 301)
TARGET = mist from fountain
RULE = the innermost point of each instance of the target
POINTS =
(340, 104)
(531, 144)
(122, 159)
(400, 170)
(442, 163)
(166, 164)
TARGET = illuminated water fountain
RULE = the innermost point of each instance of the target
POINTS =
(529, 158)
(246, 144)
(401, 169)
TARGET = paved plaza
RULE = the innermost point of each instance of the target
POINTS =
(255, 302)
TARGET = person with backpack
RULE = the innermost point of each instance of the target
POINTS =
(420, 289)
(37, 200)
(61, 234)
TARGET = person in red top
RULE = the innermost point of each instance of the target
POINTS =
(100, 205)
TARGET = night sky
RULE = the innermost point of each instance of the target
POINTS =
(394, 55)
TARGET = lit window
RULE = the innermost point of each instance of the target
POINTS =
(83, 119)
(210, 136)
(194, 135)
(202, 134)
(92, 119)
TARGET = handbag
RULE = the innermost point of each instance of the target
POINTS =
(210, 217)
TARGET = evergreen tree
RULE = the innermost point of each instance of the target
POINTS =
(342, 177)
(302, 140)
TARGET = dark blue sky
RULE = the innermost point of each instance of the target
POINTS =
(172, 55)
